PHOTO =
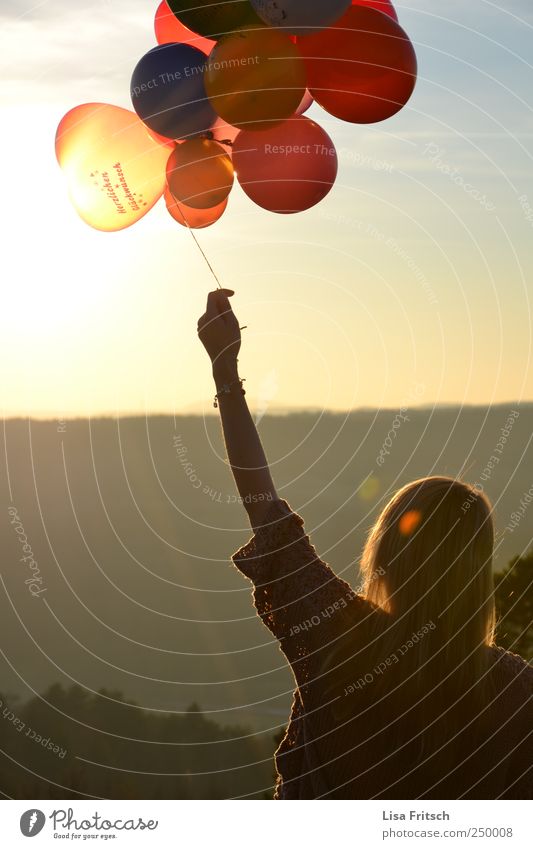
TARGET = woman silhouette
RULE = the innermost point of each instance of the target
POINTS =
(401, 692)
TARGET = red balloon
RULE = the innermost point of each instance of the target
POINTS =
(381, 5)
(169, 29)
(288, 168)
(363, 68)
(195, 219)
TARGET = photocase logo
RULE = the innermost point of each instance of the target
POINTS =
(32, 822)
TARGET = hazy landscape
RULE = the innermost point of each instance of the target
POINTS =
(130, 526)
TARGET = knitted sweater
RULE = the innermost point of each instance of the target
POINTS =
(376, 752)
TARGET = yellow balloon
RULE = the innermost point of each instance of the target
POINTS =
(115, 169)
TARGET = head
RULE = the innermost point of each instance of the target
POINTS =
(428, 559)
(427, 568)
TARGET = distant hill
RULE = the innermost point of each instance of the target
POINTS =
(131, 523)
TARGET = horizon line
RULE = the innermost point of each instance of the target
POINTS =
(274, 411)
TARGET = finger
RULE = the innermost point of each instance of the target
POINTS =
(219, 295)
(218, 303)
(211, 308)
(213, 296)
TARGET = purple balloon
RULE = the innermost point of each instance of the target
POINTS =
(168, 93)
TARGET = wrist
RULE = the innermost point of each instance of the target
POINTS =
(225, 370)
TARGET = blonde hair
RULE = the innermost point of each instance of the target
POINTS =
(427, 569)
(428, 559)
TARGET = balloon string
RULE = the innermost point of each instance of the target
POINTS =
(198, 245)
(208, 135)
(211, 269)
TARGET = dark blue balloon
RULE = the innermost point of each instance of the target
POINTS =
(168, 94)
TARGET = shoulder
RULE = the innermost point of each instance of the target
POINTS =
(511, 671)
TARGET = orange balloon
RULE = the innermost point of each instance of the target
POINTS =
(200, 173)
(255, 78)
(115, 169)
(195, 219)
(169, 29)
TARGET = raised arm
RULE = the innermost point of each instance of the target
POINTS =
(219, 332)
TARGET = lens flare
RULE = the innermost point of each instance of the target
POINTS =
(409, 522)
(369, 489)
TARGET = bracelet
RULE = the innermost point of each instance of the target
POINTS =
(226, 390)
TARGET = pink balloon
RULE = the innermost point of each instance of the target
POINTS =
(288, 168)
(223, 132)
(307, 102)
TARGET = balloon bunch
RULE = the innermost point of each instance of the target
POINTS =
(223, 95)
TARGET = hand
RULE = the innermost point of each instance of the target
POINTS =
(219, 332)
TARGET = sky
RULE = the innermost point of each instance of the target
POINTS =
(409, 284)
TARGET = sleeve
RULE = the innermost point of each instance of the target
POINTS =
(522, 765)
(519, 675)
(298, 597)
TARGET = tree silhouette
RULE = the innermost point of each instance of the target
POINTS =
(110, 748)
